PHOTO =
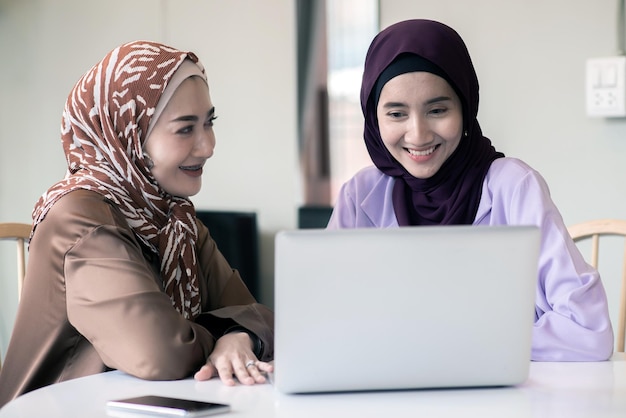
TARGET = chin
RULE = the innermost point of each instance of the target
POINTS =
(185, 190)
(423, 175)
(184, 194)
(187, 195)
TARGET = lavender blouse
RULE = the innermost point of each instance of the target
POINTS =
(571, 314)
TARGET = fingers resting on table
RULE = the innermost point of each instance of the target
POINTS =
(232, 358)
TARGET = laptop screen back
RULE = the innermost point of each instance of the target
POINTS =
(415, 307)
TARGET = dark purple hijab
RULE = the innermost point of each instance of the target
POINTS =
(452, 195)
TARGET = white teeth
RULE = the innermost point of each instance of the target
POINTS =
(422, 153)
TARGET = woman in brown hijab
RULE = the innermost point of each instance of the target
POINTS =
(121, 273)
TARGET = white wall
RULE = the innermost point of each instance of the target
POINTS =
(530, 57)
(248, 49)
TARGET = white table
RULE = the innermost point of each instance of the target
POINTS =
(553, 390)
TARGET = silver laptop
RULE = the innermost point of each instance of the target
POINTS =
(404, 308)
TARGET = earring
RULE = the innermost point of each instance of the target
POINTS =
(465, 133)
(148, 161)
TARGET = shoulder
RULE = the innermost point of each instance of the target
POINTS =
(510, 167)
(82, 222)
(78, 213)
(514, 192)
(88, 206)
(368, 179)
(513, 173)
(370, 174)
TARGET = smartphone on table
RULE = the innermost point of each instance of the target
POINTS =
(164, 407)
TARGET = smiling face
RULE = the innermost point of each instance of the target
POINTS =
(420, 118)
(183, 139)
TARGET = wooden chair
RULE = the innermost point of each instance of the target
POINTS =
(594, 230)
(20, 232)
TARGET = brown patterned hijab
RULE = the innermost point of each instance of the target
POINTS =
(104, 125)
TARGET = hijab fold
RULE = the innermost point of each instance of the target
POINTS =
(103, 130)
(452, 195)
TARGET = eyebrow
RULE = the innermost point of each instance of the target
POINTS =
(438, 99)
(427, 102)
(193, 118)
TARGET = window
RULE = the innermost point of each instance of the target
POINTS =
(333, 37)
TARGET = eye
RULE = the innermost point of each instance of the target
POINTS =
(437, 111)
(210, 120)
(185, 130)
(396, 114)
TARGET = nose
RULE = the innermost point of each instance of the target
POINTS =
(205, 144)
(417, 131)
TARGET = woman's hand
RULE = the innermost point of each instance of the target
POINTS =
(233, 356)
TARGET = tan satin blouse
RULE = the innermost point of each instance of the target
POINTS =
(93, 301)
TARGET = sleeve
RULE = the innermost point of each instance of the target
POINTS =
(227, 302)
(572, 320)
(114, 301)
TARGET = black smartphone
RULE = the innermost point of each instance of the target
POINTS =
(164, 406)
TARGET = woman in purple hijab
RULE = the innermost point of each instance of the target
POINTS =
(433, 166)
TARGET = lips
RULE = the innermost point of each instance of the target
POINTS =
(192, 171)
(422, 153)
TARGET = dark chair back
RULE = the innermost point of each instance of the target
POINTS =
(237, 237)
(313, 216)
